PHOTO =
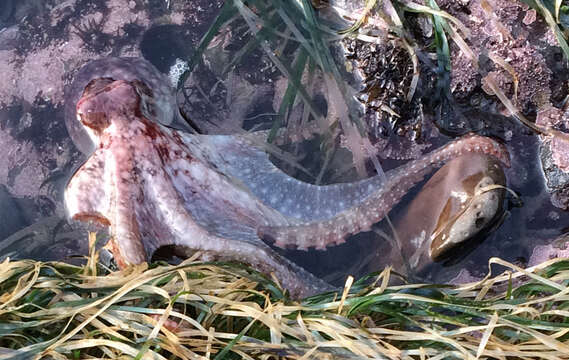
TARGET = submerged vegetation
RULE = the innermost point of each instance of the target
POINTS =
(222, 311)
(299, 43)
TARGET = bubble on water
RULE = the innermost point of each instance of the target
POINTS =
(176, 71)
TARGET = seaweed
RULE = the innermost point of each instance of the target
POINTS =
(91, 32)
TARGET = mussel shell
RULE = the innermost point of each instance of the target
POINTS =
(470, 209)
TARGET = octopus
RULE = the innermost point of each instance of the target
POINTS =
(157, 186)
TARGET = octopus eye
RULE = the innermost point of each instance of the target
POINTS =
(94, 120)
(146, 97)
(96, 85)
(142, 89)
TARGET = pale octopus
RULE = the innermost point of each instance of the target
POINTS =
(220, 194)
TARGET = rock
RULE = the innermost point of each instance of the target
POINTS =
(11, 216)
(554, 154)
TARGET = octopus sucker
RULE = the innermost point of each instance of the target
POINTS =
(157, 186)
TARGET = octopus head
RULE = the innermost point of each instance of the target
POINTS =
(106, 101)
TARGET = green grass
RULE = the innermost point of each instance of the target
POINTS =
(228, 311)
(275, 25)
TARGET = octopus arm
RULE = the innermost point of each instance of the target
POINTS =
(126, 198)
(217, 241)
(85, 194)
(100, 192)
(248, 162)
(361, 217)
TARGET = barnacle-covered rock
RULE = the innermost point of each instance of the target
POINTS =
(554, 154)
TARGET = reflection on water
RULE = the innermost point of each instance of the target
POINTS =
(43, 44)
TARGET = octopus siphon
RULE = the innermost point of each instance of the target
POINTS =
(156, 186)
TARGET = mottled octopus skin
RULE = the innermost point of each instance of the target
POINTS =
(146, 183)
(156, 186)
(375, 204)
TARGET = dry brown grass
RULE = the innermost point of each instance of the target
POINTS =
(201, 310)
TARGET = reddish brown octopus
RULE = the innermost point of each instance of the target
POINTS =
(220, 194)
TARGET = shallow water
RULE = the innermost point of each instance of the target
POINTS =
(41, 47)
